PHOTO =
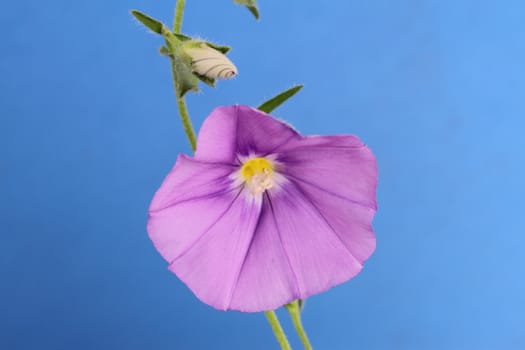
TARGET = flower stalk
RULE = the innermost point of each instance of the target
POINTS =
(277, 330)
(294, 309)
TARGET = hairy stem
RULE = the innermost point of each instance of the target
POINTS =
(186, 122)
(183, 112)
(177, 19)
(277, 330)
(181, 103)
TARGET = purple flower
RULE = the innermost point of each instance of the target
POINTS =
(262, 215)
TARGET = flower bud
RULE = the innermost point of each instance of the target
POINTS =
(209, 62)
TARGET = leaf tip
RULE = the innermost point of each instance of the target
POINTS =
(254, 11)
(149, 22)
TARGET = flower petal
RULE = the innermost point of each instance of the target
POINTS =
(193, 196)
(340, 165)
(315, 255)
(351, 222)
(239, 130)
(309, 233)
(266, 280)
(211, 266)
(345, 141)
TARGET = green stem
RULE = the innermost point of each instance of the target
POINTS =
(294, 309)
(177, 19)
(183, 112)
(181, 103)
(277, 330)
(186, 121)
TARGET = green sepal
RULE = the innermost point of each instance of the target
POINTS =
(164, 51)
(221, 48)
(184, 38)
(149, 22)
(278, 100)
(205, 79)
(250, 5)
(185, 79)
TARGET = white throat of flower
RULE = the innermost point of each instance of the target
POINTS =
(258, 175)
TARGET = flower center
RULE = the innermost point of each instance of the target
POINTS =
(257, 174)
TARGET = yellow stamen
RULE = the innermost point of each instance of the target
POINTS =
(257, 173)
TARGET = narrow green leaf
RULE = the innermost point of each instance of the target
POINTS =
(275, 102)
(251, 5)
(254, 11)
(151, 23)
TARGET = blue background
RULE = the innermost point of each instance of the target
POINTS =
(89, 128)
